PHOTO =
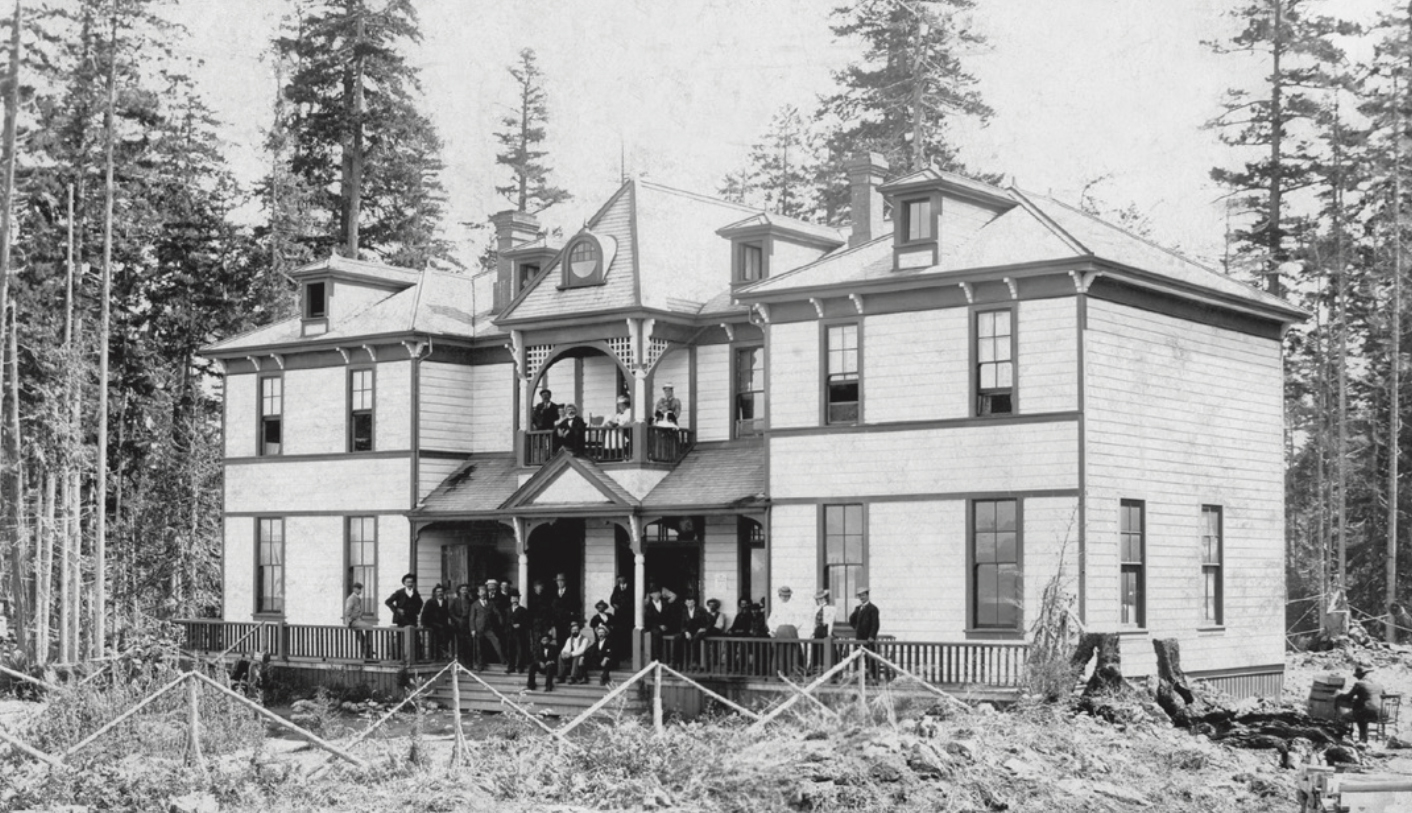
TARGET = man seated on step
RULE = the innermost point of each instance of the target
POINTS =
(544, 660)
(601, 655)
(571, 658)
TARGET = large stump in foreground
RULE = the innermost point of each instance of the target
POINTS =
(1107, 676)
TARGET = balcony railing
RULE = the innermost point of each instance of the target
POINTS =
(638, 443)
(309, 642)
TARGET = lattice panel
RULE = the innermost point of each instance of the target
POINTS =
(622, 348)
(535, 356)
(655, 350)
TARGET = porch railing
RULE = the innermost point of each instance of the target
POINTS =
(638, 443)
(988, 663)
(311, 642)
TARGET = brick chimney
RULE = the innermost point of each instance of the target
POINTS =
(512, 228)
(866, 172)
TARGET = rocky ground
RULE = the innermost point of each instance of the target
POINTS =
(901, 753)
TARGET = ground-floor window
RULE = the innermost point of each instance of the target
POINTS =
(753, 558)
(363, 560)
(269, 565)
(845, 562)
(996, 596)
(1212, 561)
(1132, 555)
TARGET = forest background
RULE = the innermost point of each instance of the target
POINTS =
(208, 149)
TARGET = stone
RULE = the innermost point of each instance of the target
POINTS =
(194, 802)
(963, 749)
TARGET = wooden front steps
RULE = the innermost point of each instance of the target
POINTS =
(565, 701)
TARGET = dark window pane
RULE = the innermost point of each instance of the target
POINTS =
(985, 547)
(317, 302)
(843, 413)
(362, 432)
(1008, 596)
(997, 404)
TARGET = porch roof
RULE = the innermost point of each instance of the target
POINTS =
(718, 475)
(480, 485)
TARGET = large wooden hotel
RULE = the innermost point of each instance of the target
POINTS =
(949, 405)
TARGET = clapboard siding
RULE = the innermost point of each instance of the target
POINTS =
(353, 484)
(1181, 415)
(713, 409)
(914, 366)
(794, 375)
(600, 559)
(238, 569)
(1023, 457)
(432, 471)
(492, 408)
(917, 568)
(316, 411)
(241, 403)
(600, 388)
(720, 574)
(448, 395)
(1048, 359)
(794, 548)
(393, 399)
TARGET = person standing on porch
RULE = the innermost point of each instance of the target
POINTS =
(517, 631)
(784, 623)
(406, 604)
(353, 619)
(564, 606)
(460, 612)
(499, 598)
(864, 620)
(667, 411)
(436, 616)
(544, 414)
(654, 620)
(541, 611)
(485, 629)
(696, 626)
(825, 614)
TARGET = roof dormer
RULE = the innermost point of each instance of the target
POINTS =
(766, 244)
(587, 259)
(923, 202)
(337, 287)
(527, 261)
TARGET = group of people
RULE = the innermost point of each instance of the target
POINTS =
(570, 428)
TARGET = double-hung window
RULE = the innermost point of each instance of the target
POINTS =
(752, 262)
(271, 414)
(995, 362)
(843, 385)
(749, 391)
(918, 219)
(845, 569)
(995, 564)
(363, 560)
(1132, 555)
(269, 565)
(1212, 560)
(360, 410)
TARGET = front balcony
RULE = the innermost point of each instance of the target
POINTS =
(638, 443)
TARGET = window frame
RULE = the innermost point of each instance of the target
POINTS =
(260, 417)
(844, 600)
(1137, 567)
(572, 280)
(761, 404)
(978, 392)
(909, 220)
(974, 628)
(746, 542)
(308, 303)
(825, 375)
(257, 594)
(351, 412)
(1218, 568)
(370, 588)
(743, 250)
(524, 273)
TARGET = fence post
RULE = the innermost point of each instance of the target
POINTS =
(657, 699)
(409, 645)
(863, 666)
(458, 754)
(282, 641)
(193, 720)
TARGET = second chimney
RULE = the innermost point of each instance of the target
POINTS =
(512, 228)
(866, 172)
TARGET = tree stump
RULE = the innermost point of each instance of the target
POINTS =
(1107, 676)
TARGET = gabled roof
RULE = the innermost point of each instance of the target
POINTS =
(364, 269)
(809, 232)
(570, 481)
(1034, 230)
(715, 476)
(435, 305)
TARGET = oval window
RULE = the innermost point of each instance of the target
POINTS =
(583, 261)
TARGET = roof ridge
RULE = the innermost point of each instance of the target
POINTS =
(252, 331)
(699, 196)
(1048, 222)
(836, 255)
(1148, 241)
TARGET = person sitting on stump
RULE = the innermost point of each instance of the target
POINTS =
(1364, 701)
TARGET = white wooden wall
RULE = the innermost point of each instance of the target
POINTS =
(448, 405)
(1182, 415)
(713, 382)
(915, 366)
(351, 485)
(1048, 363)
(794, 375)
(241, 402)
(720, 573)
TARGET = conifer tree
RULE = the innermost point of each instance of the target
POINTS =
(522, 142)
(782, 165)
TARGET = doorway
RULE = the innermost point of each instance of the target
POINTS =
(672, 554)
(557, 548)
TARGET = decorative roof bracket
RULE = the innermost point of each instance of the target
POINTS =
(969, 291)
(857, 302)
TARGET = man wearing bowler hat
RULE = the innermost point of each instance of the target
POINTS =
(544, 414)
(1364, 700)
(864, 620)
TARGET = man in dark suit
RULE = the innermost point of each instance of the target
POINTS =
(436, 616)
(545, 661)
(541, 610)
(654, 620)
(600, 655)
(864, 620)
(624, 616)
(518, 628)
(406, 606)
(569, 431)
(497, 597)
(485, 629)
(564, 607)
(544, 414)
(459, 611)
(696, 625)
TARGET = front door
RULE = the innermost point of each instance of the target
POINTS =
(557, 548)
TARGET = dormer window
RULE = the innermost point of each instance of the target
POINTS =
(316, 300)
(917, 219)
(752, 262)
(525, 273)
(585, 265)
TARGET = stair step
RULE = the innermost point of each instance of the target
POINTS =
(565, 699)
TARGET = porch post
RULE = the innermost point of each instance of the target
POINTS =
(521, 548)
(639, 589)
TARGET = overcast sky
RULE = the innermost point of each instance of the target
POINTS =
(1082, 89)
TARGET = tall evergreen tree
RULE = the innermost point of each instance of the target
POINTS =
(356, 137)
(901, 97)
(522, 142)
(781, 165)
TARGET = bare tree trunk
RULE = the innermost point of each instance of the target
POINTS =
(9, 446)
(1395, 368)
(23, 596)
(44, 610)
(100, 541)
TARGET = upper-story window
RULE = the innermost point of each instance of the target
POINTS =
(585, 265)
(843, 384)
(360, 410)
(995, 362)
(271, 414)
(316, 300)
(752, 262)
(749, 391)
(523, 274)
(917, 219)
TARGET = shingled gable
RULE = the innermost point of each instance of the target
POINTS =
(570, 481)
(1032, 234)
